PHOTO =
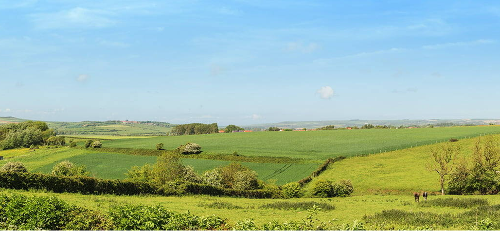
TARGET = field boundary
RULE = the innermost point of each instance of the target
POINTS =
(320, 169)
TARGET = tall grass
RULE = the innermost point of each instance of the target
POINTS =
(305, 205)
(455, 202)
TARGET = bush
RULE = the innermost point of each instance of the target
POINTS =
(140, 174)
(220, 205)
(159, 146)
(455, 202)
(96, 144)
(66, 168)
(88, 143)
(189, 148)
(13, 167)
(56, 140)
(326, 188)
(72, 144)
(245, 180)
(291, 190)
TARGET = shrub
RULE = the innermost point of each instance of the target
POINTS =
(159, 146)
(72, 144)
(291, 190)
(66, 168)
(56, 140)
(13, 167)
(326, 188)
(245, 180)
(453, 140)
(455, 202)
(220, 205)
(140, 174)
(88, 143)
(96, 144)
(189, 148)
(213, 177)
(169, 168)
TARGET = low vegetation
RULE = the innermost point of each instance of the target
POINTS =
(286, 205)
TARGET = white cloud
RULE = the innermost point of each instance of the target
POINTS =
(459, 44)
(325, 92)
(74, 18)
(256, 117)
(301, 47)
(82, 78)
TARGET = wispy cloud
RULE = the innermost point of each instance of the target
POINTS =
(82, 78)
(256, 117)
(325, 92)
(74, 18)
(459, 44)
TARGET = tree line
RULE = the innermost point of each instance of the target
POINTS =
(195, 129)
(26, 134)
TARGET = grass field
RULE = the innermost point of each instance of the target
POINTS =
(102, 128)
(398, 172)
(310, 144)
(114, 166)
(347, 210)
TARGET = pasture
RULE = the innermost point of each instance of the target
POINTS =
(313, 145)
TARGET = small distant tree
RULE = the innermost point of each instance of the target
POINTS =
(159, 146)
(328, 127)
(367, 126)
(13, 167)
(66, 168)
(189, 148)
(96, 144)
(233, 128)
(273, 129)
(442, 157)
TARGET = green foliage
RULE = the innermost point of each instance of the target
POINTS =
(455, 202)
(140, 174)
(23, 134)
(195, 129)
(328, 127)
(56, 140)
(291, 190)
(479, 174)
(189, 148)
(273, 129)
(33, 213)
(286, 205)
(233, 128)
(168, 168)
(159, 146)
(72, 144)
(96, 144)
(234, 175)
(66, 168)
(13, 167)
(247, 224)
(326, 188)
(88, 143)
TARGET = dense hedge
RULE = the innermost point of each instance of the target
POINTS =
(89, 185)
(320, 169)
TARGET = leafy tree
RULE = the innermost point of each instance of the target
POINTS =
(442, 161)
(233, 128)
(274, 129)
(234, 176)
(328, 127)
(66, 168)
(140, 174)
(195, 129)
(168, 168)
(13, 167)
(367, 126)
(56, 140)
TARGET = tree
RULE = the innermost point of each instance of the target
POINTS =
(442, 157)
(233, 128)
(88, 143)
(159, 146)
(66, 168)
(189, 148)
(273, 129)
(327, 127)
(96, 144)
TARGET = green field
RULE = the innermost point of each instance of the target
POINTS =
(114, 166)
(317, 145)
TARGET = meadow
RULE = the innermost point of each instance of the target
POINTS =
(313, 145)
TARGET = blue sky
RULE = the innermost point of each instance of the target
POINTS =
(246, 62)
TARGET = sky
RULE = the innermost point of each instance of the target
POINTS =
(249, 61)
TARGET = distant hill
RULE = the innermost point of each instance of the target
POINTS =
(10, 119)
(359, 123)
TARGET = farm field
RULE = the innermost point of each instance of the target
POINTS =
(317, 145)
(108, 129)
(114, 166)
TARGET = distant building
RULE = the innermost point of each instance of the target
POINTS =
(221, 131)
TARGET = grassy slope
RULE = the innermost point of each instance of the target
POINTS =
(78, 128)
(396, 172)
(312, 144)
(114, 166)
